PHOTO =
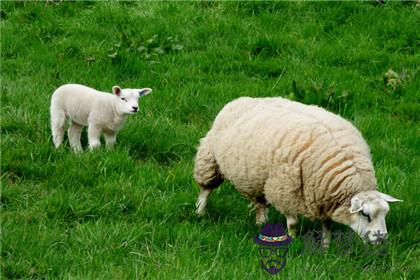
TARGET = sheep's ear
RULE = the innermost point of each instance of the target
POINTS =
(388, 198)
(144, 91)
(356, 205)
(116, 90)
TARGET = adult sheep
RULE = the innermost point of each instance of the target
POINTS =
(100, 111)
(301, 159)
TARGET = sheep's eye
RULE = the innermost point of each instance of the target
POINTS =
(366, 215)
(124, 99)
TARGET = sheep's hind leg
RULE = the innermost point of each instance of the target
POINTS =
(205, 190)
(58, 121)
(202, 201)
(74, 133)
(207, 176)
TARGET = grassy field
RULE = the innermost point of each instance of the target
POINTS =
(129, 213)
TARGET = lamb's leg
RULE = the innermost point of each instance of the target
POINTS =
(74, 133)
(206, 174)
(58, 121)
(94, 133)
(326, 233)
(110, 139)
(292, 222)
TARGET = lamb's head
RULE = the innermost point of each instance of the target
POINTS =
(367, 215)
(128, 99)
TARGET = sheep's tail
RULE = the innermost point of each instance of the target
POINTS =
(206, 170)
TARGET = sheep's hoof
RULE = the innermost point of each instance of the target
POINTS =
(292, 232)
(261, 220)
(325, 244)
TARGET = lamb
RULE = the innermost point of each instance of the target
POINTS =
(301, 159)
(100, 111)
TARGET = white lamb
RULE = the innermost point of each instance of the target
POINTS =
(301, 159)
(100, 111)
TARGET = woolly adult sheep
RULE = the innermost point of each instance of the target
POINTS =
(301, 159)
(100, 111)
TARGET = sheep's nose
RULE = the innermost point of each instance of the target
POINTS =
(135, 108)
(380, 237)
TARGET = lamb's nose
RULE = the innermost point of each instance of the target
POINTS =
(135, 108)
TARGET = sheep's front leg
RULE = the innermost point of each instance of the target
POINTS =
(94, 133)
(110, 139)
(326, 233)
(292, 222)
(261, 211)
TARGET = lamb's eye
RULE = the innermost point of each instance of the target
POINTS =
(366, 215)
(124, 99)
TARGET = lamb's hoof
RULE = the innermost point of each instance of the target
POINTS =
(77, 150)
(198, 217)
(199, 213)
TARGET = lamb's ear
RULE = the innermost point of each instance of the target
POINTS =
(388, 198)
(144, 91)
(356, 205)
(116, 90)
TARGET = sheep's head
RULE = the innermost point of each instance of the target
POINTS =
(128, 99)
(367, 215)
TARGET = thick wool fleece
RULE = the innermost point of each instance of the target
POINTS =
(303, 159)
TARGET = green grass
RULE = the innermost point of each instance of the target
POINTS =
(129, 213)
